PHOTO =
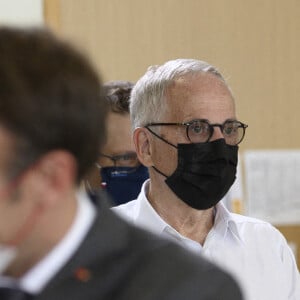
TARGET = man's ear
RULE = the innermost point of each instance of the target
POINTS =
(143, 146)
(55, 174)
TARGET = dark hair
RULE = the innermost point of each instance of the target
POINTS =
(117, 93)
(50, 98)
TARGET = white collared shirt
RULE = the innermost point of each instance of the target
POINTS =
(253, 251)
(38, 277)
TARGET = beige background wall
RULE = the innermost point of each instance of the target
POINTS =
(256, 44)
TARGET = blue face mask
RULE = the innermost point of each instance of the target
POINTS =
(123, 183)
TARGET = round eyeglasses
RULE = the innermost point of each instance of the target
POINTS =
(128, 159)
(201, 131)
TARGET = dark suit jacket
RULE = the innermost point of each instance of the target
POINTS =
(118, 261)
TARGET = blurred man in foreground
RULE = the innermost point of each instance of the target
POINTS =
(55, 243)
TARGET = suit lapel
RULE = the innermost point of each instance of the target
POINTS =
(92, 262)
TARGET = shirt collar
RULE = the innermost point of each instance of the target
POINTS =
(225, 221)
(147, 217)
(36, 278)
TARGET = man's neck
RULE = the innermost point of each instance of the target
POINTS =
(189, 222)
(50, 228)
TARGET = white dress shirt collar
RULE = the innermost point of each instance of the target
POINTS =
(36, 278)
(146, 216)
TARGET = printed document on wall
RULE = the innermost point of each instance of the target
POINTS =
(272, 183)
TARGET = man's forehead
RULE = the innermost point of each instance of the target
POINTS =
(198, 94)
(119, 136)
(201, 82)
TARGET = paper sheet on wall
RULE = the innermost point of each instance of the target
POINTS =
(233, 200)
(21, 13)
(272, 183)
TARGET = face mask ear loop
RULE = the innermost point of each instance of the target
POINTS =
(155, 134)
(167, 142)
(159, 172)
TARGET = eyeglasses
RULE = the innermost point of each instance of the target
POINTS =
(128, 159)
(201, 131)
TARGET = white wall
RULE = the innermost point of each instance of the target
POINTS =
(21, 12)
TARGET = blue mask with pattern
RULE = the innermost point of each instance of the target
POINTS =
(123, 184)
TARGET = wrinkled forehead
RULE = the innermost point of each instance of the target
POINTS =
(201, 83)
(199, 95)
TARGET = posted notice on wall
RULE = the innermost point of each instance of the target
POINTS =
(21, 13)
(272, 185)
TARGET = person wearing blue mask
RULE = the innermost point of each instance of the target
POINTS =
(118, 169)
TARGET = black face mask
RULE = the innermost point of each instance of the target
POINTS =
(204, 173)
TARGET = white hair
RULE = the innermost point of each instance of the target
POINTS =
(147, 97)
